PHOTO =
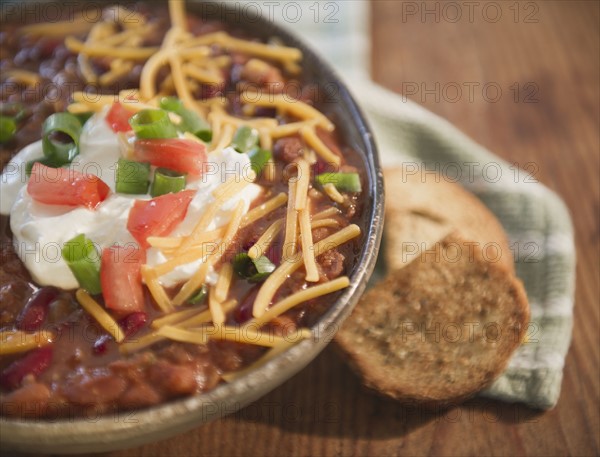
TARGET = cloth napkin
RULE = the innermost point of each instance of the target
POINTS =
(535, 219)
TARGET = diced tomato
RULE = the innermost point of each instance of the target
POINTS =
(184, 156)
(121, 278)
(118, 118)
(157, 217)
(62, 186)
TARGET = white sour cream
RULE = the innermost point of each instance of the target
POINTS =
(40, 230)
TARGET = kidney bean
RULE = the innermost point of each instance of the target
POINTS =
(34, 314)
(288, 149)
(101, 344)
(244, 310)
(132, 323)
(45, 48)
(210, 90)
(34, 362)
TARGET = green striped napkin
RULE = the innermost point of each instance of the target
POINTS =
(535, 219)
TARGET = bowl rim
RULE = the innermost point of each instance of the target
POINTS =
(107, 432)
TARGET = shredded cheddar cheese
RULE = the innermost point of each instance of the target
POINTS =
(102, 317)
(290, 245)
(158, 293)
(224, 282)
(308, 253)
(299, 297)
(216, 310)
(333, 193)
(265, 240)
(175, 318)
(320, 148)
(276, 279)
(17, 341)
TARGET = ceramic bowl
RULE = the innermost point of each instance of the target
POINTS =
(130, 429)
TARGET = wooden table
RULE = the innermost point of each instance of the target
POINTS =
(544, 56)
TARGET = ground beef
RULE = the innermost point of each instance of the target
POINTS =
(320, 233)
(27, 401)
(287, 149)
(260, 74)
(330, 264)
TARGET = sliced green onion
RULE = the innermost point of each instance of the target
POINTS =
(84, 117)
(171, 104)
(166, 181)
(132, 177)
(205, 135)
(254, 270)
(153, 123)
(16, 110)
(8, 128)
(61, 123)
(259, 158)
(199, 296)
(345, 182)
(83, 259)
(190, 121)
(244, 139)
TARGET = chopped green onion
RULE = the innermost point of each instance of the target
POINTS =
(16, 110)
(167, 181)
(8, 128)
(153, 123)
(84, 117)
(205, 135)
(345, 182)
(83, 259)
(67, 125)
(190, 121)
(259, 158)
(132, 177)
(171, 104)
(244, 139)
(254, 270)
(199, 296)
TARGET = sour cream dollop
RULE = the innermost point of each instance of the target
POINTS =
(40, 230)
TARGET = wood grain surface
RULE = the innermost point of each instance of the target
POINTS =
(544, 56)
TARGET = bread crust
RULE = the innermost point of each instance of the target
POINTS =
(422, 207)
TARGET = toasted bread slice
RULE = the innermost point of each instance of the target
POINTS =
(408, 233)
(438, 330)
(422, 207)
